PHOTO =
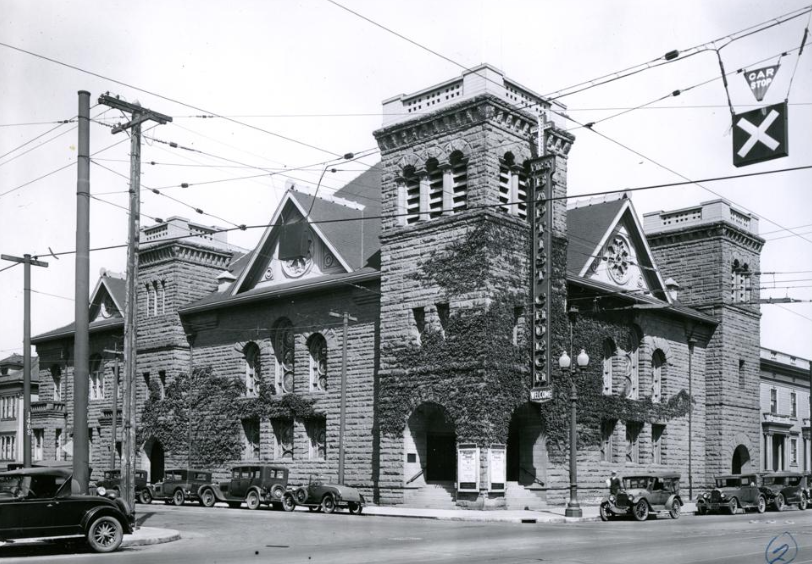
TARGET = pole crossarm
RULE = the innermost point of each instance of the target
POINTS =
(140, 115)
(31, 261)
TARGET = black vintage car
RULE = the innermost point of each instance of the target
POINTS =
(39, 502)
(645, 494)
(254, 484)
(178, 486)
(112, 482)
(732, 492)
(321, 495)
(784, 489)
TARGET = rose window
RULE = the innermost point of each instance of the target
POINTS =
(618, 259)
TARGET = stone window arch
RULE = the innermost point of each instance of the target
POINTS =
(96, 369)
(658, 369)
(609, 349)
(317, 347)
(253, 373)
(284, 355)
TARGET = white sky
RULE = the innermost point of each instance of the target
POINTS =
(301, 63)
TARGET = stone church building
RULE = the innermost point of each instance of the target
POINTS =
(423, 263)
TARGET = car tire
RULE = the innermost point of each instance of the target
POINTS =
(701, 510)
(675, 510)
(145, 497)
(605, 512)
(640, 510)
(277, 492)
(804, 503)
(779, 503)
(328, 503)
(732, 505)
(288, 503)
(761, 505)
(252, 500)
(105, 534)
(301, 496)
(355, 508)
(207, 498)
(178, 498)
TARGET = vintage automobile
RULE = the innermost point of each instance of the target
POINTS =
(112, 482)
(323, 496)
(178, 486)
(644, 494)
(255, 484)
(732, 492)
(784, 489)
(39, 502)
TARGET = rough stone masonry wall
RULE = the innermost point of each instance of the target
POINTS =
(701, 261)
(220, 346)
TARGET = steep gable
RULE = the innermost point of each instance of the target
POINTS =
(607, 245)
(108, 297)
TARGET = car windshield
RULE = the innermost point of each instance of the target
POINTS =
(636, 483)
(774, 480)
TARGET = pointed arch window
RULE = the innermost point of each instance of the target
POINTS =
(252, 369)
(609, 349)
(317, 347)
(56, 375)
(657, 368)
(284, 354)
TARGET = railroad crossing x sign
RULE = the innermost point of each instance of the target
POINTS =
(760, 135)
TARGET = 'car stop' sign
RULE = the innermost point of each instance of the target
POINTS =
(760, 135)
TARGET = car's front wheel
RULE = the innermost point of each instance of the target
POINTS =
(178, 497)
(356, 508)
(761, 506)
(328, 503)
(207, 498)
(606, 514)
(252, 500)
(732, 506)
(288, 503)
(675, 510)
(105, 534)
(301, 496)
(641, 510)
(145, 497)
(778, 502)
(804, 503)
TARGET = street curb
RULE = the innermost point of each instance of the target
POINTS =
(157, 536)
(515, 520)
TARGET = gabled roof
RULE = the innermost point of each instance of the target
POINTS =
(13, 360)
(589, 230)
(113, 286)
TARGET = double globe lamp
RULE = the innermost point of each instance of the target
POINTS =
(573, 508)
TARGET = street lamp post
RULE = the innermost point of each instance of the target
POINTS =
(573, 507)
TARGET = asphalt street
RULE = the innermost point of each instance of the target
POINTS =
(222, 535)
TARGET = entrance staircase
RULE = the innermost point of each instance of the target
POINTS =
(519, 497)
(436, 495)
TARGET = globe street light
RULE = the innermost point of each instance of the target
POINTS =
(582, 360)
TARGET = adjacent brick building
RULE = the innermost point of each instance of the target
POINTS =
(424, 259)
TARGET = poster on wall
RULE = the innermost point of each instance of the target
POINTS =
(468, 468)
(497, 468)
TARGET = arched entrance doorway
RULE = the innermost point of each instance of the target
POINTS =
(741, 460)
(430, 443)
(526, 447)
(152, 459)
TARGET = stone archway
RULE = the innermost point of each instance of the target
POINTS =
(526, 447)
(741, 460)
(430, 446)
(152, 459)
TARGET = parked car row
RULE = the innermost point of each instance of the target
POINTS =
(756, 491)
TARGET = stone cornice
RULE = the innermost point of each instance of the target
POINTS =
(706, 231)
(475, 111)
(175, 250)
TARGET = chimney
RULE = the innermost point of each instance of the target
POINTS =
(224, 281)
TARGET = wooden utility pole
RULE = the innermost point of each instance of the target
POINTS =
(138, 115)
(343, 414)
(27, 261)
(115, 352)
(81, 334)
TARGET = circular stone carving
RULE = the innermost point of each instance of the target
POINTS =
(618, 259)
(268, 274)
(328, 260)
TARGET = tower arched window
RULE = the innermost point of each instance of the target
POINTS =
(512, 186)
(740, 283)
(459, 181)
(56, 375)
(317, 347)
(284, 340)
(609, 349)
(252, 369)
(410, 196)
(434, 176)
(96, 369)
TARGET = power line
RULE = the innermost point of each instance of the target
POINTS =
(63, 122)
(168, 99)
